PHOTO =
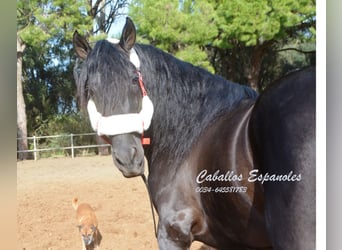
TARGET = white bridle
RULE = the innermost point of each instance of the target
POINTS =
(123, 123)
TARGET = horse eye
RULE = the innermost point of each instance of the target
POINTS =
(135, 80)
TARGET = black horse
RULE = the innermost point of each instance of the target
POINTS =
(226, 167)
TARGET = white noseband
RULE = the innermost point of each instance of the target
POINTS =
(121, 124)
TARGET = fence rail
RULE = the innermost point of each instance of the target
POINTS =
(71, 145)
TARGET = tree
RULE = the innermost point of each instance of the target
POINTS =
(182, 28)
(236, 36)
(253, 30)
(21, 113)
(45, 28)
(105, 12)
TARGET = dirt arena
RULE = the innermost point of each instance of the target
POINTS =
(46, 219)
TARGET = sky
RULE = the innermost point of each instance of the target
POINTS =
(117, 27)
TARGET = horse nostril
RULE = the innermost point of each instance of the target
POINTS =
(126, 157)
(133, 153)
(135, 157)
(120, 157)
(119, 161)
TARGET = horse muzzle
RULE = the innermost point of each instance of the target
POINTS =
(128, 155)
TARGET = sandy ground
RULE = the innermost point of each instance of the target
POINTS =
(47, 221)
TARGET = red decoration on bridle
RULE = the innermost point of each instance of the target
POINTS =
(141, 84)
(144, 140)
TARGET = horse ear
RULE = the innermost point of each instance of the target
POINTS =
(81, 45)
(128, 36)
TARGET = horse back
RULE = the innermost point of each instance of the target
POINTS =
(282, 131)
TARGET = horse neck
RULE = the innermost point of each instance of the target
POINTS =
(186, 100)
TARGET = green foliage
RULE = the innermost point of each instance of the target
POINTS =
(42, 21)
(253, 22)
(196, 56)
(240, 38)
(287, 59)
(179, 27)
(73, 123)
(46, 28)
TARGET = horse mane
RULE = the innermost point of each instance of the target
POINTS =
(187, 100)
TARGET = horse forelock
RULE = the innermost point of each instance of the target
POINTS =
(104, 71)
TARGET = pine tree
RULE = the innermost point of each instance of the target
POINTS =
(235, 36)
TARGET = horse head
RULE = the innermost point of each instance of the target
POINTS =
(110, 87)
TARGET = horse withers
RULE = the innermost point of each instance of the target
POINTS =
(226, 167)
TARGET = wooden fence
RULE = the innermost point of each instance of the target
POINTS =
(66, 144)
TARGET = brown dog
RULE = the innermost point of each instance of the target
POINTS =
(87, 224)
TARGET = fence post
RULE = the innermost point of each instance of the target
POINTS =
(72, 146)
(35, 148)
